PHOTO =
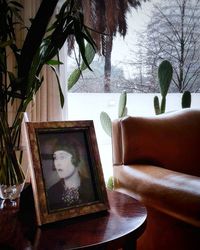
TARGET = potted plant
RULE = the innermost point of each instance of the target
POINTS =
(41, 45)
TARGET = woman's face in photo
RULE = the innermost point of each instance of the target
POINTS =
(63, 163)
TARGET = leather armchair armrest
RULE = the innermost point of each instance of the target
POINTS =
(172, 192)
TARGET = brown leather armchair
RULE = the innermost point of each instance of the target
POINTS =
(157, 161)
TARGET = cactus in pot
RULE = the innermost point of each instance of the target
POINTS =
(105, 119)
(165, 72)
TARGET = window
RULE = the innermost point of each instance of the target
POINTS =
(135, 61)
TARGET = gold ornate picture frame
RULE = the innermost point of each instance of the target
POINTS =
(66, 172)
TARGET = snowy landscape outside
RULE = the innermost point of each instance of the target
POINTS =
(132, 59)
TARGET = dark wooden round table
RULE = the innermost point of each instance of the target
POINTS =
(117, 228)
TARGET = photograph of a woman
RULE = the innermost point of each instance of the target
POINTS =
(72, 188)
(66, 170)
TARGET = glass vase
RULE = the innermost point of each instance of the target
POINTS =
(13, 155)
(11, 192)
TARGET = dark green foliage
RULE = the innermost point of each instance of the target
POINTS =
(75, 75)
(165, 72)
(186, 99)
(42, 44)
(156, 105)
(163, 104)
(45, 37)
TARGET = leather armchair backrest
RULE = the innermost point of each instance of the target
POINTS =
(170, 140)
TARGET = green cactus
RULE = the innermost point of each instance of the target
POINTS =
(110, 183)
(186, 99)
(105, 120)
(165, 72)
(156, 105)
(163, 105)
(122, 110)
(75, 75)
(106, 123)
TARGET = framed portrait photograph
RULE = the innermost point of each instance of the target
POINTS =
(66, 172)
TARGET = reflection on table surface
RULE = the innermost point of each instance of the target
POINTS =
(18, 230)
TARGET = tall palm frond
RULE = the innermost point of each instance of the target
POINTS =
(106, 18)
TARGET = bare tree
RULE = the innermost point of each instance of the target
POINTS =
(173, 34)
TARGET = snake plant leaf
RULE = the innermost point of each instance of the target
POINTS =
(106, 123)
(122, 104)
(165, 72)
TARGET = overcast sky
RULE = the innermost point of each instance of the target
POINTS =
(137, 21)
